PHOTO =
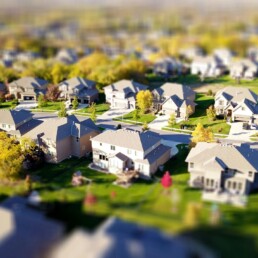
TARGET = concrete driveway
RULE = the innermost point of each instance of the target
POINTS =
(159, 122)
(26, 105)
(238, 133)
(112, 113)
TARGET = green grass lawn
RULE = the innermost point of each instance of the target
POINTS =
(142, 118)
(100, 109)
(203, 102)
(50, 106)
(7, 105)
(144, 202)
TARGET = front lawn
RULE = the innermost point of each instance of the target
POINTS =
(7, 105)
(50, 106)
(100, 109)
(142, 118)
(203, 102)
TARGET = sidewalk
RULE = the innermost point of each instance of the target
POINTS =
(112, 113)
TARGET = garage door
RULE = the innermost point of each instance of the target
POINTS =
(28, 98)
(242, 118)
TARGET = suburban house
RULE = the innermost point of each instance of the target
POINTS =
(27, 88)
(61, 138)
(168, 66)
(223, 167)
(238, 103)
(17, 123)
(174, 98)
(244, 68)
(224, 55)
(191, 53)
(125, 149)
(85, 90)
(208, 66)
(122, 94)
(67, 56)
(252, 54)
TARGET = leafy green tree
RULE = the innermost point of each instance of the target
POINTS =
(172, 120)
(75, 103)
(11, 158)
(62, 112)
(59, 72)
(93, 110)
(42, 102)
(211, 113)
(145, 126)
(144, 100)
(136, 115)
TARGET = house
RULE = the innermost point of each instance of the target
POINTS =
(27, 56)
(168, 66)
(174, 98)
(191, 53)
(61, 138)
(124, 149)
(252, 54)
(25, 231)
(237, 103)
(85, 90)
(208, 66)
(122, 94)
(117, 238)
(244, 68)
(27, 88)
(67, 56)
(14, 122)
(224, 55)
(223, 167)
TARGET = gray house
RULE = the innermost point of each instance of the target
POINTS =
(244, 68)
(173, 98)
(223, 167)
(85, 90)
(67, 56)
(122, 94)
(28, 88)
(168, 66)
(61, 138)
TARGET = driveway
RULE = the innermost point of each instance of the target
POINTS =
(238, 133)
(112, 113)
(26, 105)
(159, 122)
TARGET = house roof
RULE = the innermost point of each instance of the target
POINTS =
(215, 155)
(57, 129)
(126, 86)
(14, 117)
(121, 156)
(169, 89)
(118, 238)
(2, 87)
(128, 138)
(237, 94)
(31, 232)
(79, 83)
(29, 82)
(252, 106)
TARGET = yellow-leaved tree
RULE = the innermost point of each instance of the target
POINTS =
(201, 134)
(144, 100)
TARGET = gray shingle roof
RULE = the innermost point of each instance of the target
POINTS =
(127, 138)
(78, 82)
(242, 157)
(13, 116)
(28, 82)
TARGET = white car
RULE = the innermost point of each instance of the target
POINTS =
(253, 126)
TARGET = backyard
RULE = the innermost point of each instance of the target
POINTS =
(203, 102)
(144, 202)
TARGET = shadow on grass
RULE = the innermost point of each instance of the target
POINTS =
(225, 242)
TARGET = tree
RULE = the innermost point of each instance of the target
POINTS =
(211, 113)
(172, 120)
(144, 100)
(42, 102)
(59, 72)
(189, 111)
(75, 103)
(136, 115)
(166, 180)
(201, 134)
(11, 157)
(92, 110)
(192, 215)
(62, 112)
(53, 92)
(28, 183)
(145, 126)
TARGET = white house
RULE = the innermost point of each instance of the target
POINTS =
(122, 94)
(244, 68)
(174, 98)
(120, 150)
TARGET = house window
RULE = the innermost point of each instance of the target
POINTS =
(250, 173)
(112, 147)
(100, 144)
(135, 153)
(221, 102)
(9, 126)
(103, 157)
(129, 151)
(234, 185)
(239, 186)
(191, 165)
(243, 108)
(77, 139)
(229, 184)
(3, 125)
(207, 182)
